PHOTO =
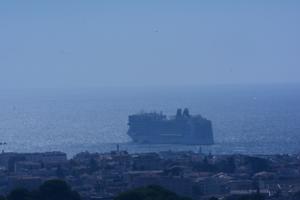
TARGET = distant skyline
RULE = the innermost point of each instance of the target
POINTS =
(77, 44)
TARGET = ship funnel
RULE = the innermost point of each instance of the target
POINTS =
(179, 113)
(186, 112)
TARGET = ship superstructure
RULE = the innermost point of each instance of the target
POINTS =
(183, 128)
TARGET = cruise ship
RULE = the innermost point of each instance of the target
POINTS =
(183, 128)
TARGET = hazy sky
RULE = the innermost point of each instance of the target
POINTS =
(58, 43)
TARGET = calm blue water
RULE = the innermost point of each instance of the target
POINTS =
(245, 119)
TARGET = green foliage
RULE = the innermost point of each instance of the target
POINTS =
(257, 164)
(50, 190)
(174, 171)
(93, 165)
(19, 194)
(296, 196)
(204, 166)
(60, 172)
(152, 192)
(227, 165)
(57, 189)
(246, 197)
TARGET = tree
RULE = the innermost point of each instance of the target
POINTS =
(60, 172)
(296, 196)
(246, 197)
(57, 189)
(152, 192)
(93, 165)
(19, 194)
(50, 190)
(257, 164)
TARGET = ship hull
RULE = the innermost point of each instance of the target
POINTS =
(172, 140)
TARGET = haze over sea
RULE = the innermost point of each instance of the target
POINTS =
(246, 119)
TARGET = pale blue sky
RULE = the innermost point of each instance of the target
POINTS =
(70, 44)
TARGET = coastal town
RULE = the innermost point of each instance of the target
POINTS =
(191, 174)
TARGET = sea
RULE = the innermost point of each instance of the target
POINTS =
(248, 119)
